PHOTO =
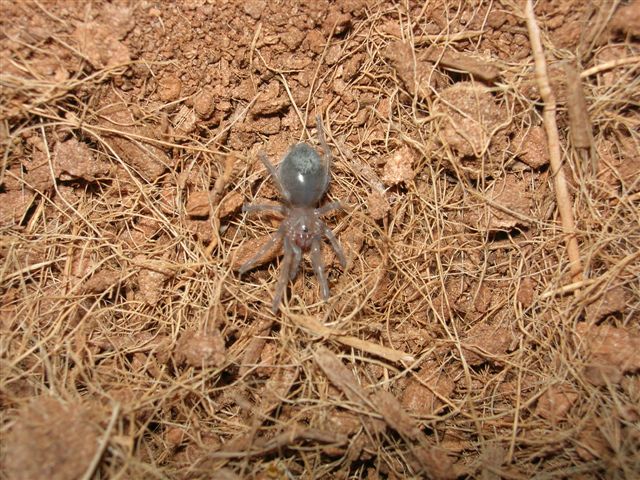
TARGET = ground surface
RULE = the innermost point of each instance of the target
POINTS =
(456, 342)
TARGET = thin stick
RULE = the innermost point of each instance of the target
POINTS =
(381, 351)
(103, 443)
(549, 115)
(609, 65)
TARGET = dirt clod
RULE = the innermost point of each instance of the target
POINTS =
(611, 352)
(509, 205)
(198, 204)
(532, 147)
(398, 167)
(485, 342)
(472, 116)
(73, 160)
(169, 88)
(255, 8)
(204, 103)
(201, 349)
(555, 403)
(50, 439)
(460, 340)
(423, 395)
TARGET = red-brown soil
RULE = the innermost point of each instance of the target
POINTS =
(457, 342)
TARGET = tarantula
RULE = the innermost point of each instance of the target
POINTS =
(302, 179)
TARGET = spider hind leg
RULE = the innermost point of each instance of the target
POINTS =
(253, 261)
(319, 268)
(283, 279)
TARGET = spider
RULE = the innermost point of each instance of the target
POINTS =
(302, 178)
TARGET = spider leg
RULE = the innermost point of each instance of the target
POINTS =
(276, 237)
(335, 244)
(321, 139)
(318, 267)
(283, 279)
(325, 148)
(263, 207)
(328, 207)
(274, 174)
(297, 256)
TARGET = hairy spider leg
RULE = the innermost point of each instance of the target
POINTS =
(297, 257)
(328, 208)
(321, 139)
(335, 244)
(325, 149)
(274, 174)
(318, 267)
(329, 233)
(276, 237)
(283, 279)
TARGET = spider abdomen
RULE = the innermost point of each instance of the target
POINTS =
(304, 175)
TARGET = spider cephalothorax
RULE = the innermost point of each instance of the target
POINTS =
(302, 179)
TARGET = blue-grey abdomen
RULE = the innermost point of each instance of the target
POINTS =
(304, 175)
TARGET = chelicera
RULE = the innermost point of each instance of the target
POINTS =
(302, 178)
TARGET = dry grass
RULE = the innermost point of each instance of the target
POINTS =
(457, 341)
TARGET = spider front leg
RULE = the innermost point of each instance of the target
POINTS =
(274, 174)
(328, 208)
(323, 143)
(318, 267)
(326, 151)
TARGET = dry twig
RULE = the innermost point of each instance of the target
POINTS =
(563, 196)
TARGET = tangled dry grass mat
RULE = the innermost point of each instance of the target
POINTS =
(486, 324)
